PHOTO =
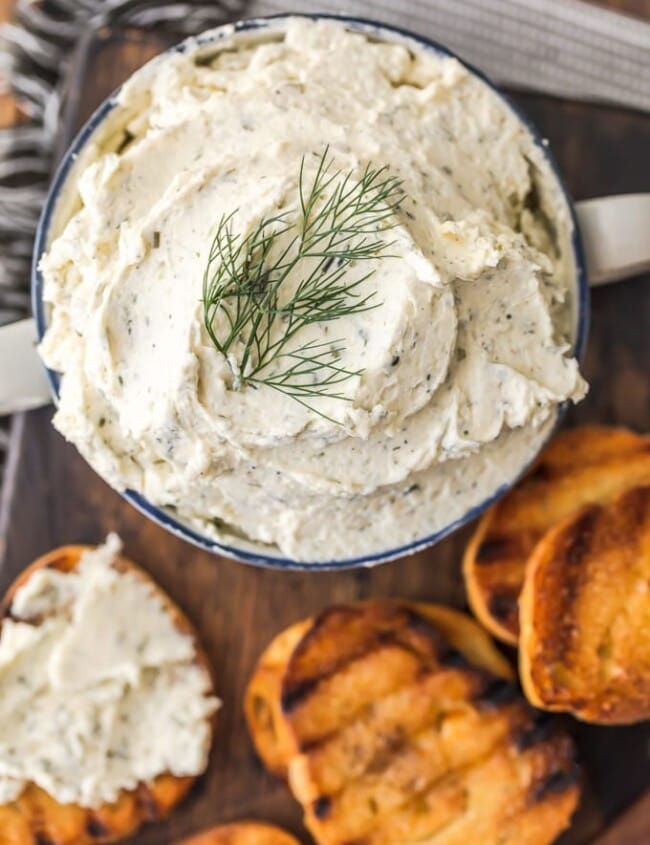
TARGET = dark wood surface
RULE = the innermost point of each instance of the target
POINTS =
(52, 497)
(631, 828)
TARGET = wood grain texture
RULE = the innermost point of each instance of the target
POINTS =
(52, 497)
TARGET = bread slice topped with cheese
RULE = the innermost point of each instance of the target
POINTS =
(107, 706)
(585, 614)
(242, 833)
(397, 722)
(587, 465)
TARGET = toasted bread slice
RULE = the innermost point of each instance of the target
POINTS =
(242, 833)
(400, 722)
(589, 465)
(262, 703)
(36, 817)
(585, 614)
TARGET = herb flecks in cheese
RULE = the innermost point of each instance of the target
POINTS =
(459, 372)
(99, 691)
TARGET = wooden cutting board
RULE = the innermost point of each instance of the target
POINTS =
(52, 497)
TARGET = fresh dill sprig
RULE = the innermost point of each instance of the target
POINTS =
(337, 223)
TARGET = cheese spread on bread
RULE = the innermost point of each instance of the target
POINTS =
(458, 368)
(99, 690)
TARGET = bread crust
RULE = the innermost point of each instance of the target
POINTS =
(585, 614)
(36, 817)
(587, 465)
(242, 833)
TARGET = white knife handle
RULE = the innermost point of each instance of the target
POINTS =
(23, 383)
(616, 236)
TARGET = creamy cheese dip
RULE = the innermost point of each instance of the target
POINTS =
(98, 689)
(463, 364)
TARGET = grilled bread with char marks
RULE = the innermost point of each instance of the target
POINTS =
(242, 833)
(585, 614)
(588, 465)
(36, 817)
(263, 696)
(398, 722)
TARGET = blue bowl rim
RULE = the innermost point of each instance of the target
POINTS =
(162, 517)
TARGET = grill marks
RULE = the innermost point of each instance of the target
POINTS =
(365, 744)
(585, 613)
(496, 549)
(441, 773)
(95, 828)
(580, 542)
(497, 693)
(322, 807)
(396, 736)
(540, 728)
(295, 695)
(453, 658)
(473, 803)
(590, 465)
(502, 604)
(346, 627)
(555, 784)
(574, 547)
(380, 647)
